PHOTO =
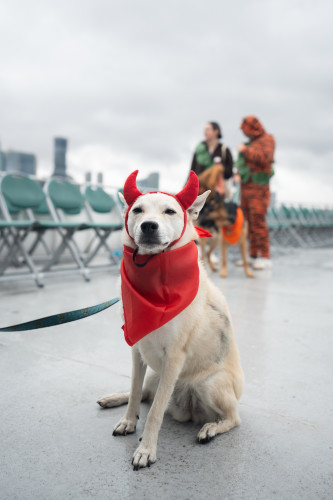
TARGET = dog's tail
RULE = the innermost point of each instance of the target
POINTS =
(114, 400)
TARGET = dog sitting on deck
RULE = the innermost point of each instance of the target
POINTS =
(176, 321)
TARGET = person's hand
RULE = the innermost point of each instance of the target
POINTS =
(241, 148)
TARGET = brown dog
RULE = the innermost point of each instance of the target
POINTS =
(218, 214)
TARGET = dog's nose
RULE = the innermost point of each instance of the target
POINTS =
(149, 227)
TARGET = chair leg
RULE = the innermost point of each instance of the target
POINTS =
(90, 244)
(40, 240)
(17, 245)
(6, 261)
(30, 264)
(67, 242)
(72, 248)
(55, 257)
(102, 242)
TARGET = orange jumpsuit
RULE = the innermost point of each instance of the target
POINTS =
(255, 198)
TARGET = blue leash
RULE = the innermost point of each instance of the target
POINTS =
(59, 319)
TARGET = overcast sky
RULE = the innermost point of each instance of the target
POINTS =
(131, 84)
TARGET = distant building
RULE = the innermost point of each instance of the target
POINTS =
(24, 163)
(16, 161)
(100, 178)
(60, 150)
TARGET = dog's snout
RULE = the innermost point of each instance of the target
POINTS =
(149, 227)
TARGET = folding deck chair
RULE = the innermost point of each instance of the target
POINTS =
(18, 194)
(321, 223)
(99, 201)
(65, 199)
(4, 232)
(60, 196)
(25, 194)
(41, 210)
(276, 228)
(294, 231)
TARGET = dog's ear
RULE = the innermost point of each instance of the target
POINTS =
(123, 202)
(194, 209)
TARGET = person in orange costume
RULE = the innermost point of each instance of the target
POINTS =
(257, 156)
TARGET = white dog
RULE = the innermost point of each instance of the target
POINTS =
(195, 367)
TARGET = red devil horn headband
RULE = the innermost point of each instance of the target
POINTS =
(130, 191)
(186, 197)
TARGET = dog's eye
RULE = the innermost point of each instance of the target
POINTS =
(169, 211)
(137, 210)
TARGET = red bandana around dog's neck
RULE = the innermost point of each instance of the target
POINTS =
(158, 287)
(154, 294)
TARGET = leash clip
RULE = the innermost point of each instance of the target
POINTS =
(144, 263)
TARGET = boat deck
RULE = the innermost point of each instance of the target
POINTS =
(57, 443)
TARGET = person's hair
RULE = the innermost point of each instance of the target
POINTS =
(216, 126)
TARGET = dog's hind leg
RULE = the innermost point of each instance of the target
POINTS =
(224, 250)
(223, 401)
(119, 399)
(212, 429)
(113, 400)
(243, 249)
(213, 244)
(148, 393)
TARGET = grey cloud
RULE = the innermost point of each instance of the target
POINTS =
(143, 77)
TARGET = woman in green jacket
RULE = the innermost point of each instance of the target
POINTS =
(212, 151)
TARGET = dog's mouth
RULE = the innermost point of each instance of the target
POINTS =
(149, 240)
(152, 244)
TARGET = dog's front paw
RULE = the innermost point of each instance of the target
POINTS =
(143, 457)
(124, 427)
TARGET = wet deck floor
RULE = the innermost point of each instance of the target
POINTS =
(56, 443)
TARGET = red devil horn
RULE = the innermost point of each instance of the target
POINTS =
(130, 191)
(190, 192)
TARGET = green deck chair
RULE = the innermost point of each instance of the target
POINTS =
(98, 201)
(17, 195)
(64, 197)
(68, 201)
(5, 236)
(288, 215)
